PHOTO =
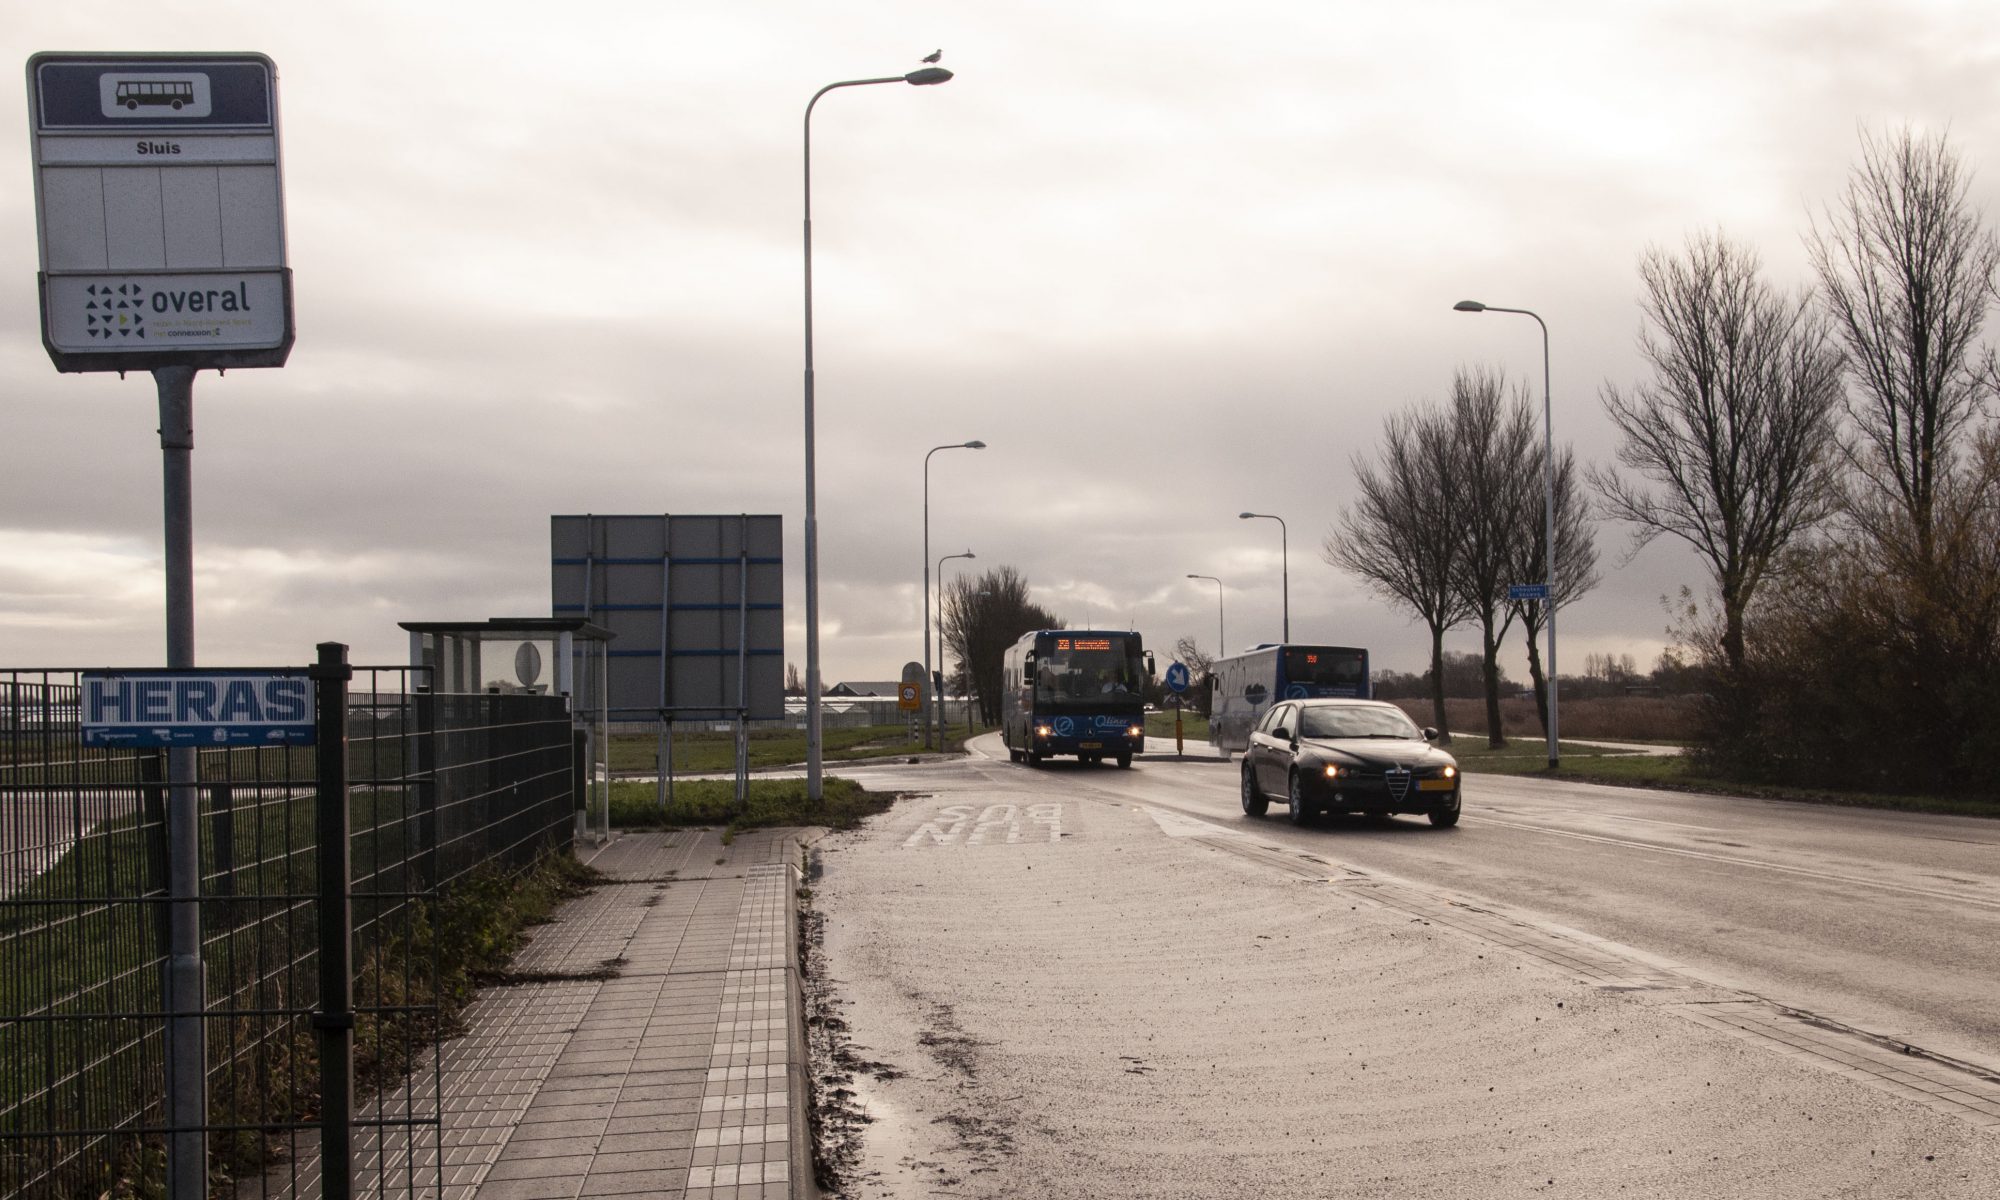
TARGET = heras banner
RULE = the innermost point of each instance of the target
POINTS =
(197, 708)
(696, 604)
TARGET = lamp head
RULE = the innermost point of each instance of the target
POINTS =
(928, 75)
(970, 554)
(1245, 516)
(975, 444)
(1468, 306)
(1192, 575)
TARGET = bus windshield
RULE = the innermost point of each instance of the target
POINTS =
(1087, 671)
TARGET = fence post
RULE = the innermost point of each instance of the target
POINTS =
(334, 1021)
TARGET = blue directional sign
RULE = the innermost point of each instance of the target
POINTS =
(1517, 592)
(197, 708)
(1177, 678)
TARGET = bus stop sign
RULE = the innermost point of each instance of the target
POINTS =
(158, 211)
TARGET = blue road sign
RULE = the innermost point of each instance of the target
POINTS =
(1177, 678)
(197, 708)
(1527, 591)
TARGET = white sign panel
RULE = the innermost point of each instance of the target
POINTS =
(160, 211)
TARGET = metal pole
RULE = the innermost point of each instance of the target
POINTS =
(187, 1077)
(1549, 533)
(815, 790)
(334, 1021)
(1285, 568)
(1548, 509)
(743, 665)
(937, 680)
(667, 651)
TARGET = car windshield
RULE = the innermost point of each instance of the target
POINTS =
(1332, 721)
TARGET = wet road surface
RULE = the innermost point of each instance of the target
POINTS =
(1092, 982)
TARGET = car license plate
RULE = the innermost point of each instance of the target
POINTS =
(1090, 745)
(1434, 785)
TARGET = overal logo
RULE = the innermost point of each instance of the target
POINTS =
(113, 311)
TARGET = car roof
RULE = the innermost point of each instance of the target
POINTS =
(1343, 702)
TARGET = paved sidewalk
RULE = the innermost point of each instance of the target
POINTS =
(659, 1049)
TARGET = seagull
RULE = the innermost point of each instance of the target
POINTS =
(933, 56)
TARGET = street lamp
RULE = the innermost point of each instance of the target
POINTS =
(1284, 561)
(975, 444)
(1221, 641)
(938, 680)
(815, 792)
(1548, 504)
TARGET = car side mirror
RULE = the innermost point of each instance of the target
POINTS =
(1430, 733)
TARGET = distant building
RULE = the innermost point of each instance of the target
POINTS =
(863, 690)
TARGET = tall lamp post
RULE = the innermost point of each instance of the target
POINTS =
(1548, 504)
(1284, 561)
(975, 444)
(1221, 640)
(938, 679)
(815, 790)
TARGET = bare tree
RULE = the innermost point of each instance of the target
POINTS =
(1907, 269)
(982, 617)
(1576, 564)
(1735, 431)
(1199, 663)
(1493, 437)
(794, 686)
(1401, 537)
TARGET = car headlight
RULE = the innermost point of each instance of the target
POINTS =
(1043, 731)
(1451, 772)
(1333, 770)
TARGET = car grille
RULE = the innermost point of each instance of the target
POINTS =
(1397, 780)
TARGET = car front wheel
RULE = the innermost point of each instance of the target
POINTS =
(1301, 811)
(1445, 818)
(1254, 803)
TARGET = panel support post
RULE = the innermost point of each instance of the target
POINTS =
(334, 1021)
(187, 1082)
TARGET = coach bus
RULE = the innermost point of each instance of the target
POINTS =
(1246, 684)
(1075, 691)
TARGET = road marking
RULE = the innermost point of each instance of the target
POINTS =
(976, 825)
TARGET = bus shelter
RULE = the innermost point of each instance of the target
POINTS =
(567, 656)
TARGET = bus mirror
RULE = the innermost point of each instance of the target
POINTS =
(1151, 669)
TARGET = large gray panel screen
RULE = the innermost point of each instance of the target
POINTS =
(697, 587)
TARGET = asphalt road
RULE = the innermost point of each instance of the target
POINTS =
(1092, 982)
(1885, 920)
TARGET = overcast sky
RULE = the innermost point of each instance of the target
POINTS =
(1170, 261)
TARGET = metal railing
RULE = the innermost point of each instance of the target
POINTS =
(431, 789)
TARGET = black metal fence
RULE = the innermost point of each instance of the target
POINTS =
(436, 788)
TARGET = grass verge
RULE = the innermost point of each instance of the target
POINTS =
(1592, 764)
(769, 802)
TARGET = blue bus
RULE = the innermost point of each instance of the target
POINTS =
(1247, 683)
(1075, 691)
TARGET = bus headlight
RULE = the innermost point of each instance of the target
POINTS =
(1043, 731)
(1137, 731)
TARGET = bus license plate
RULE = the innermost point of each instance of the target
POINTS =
(1090, 745)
